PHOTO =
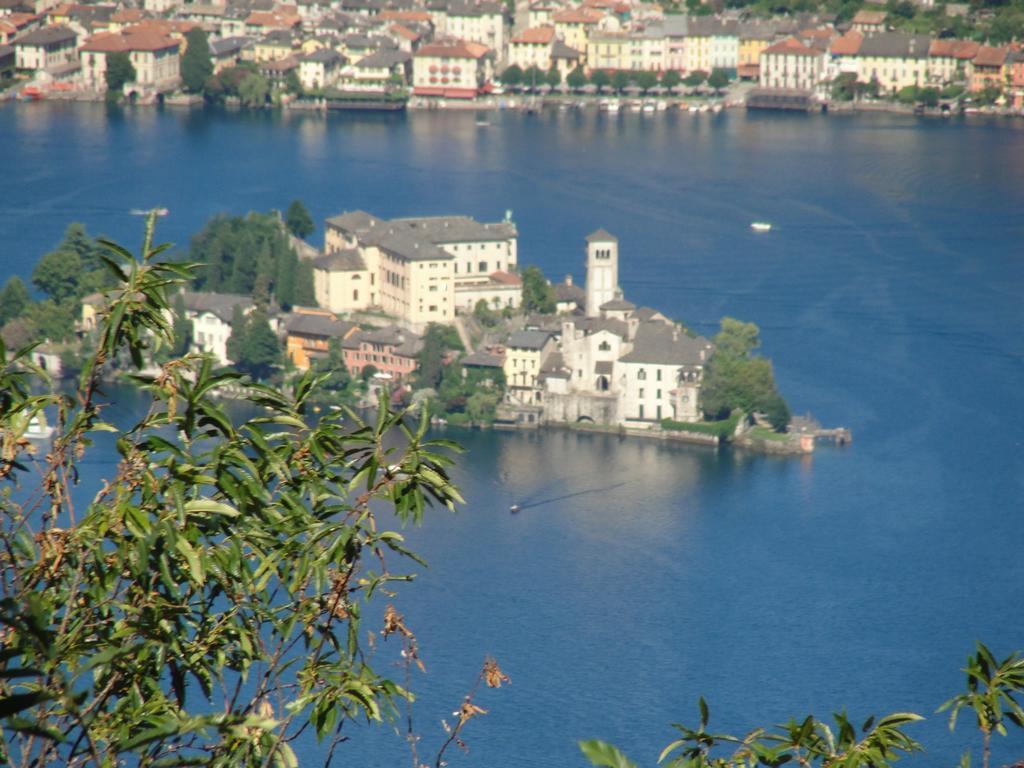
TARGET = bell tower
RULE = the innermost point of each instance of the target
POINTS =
(602, 270)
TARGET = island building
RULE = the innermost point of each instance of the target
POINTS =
(609, 361)
(418, 270)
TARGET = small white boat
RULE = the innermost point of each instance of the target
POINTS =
(483, 123)
(648, 108)
(761, 226)
(514, 508)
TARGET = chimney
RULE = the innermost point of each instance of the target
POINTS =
(568, 279)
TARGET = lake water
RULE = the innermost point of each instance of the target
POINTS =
(640, 576)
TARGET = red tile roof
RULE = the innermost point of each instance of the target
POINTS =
(403, 31)
(790, 47)
(127, 15)
(272, 19)
(115, 42)
(578, 16)
(454, 49)
(848, 44)
(506, 277)
(954, 49)
(991, 56)
(405, 15)
(535, 35)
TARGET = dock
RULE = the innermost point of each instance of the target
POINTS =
(807, 425)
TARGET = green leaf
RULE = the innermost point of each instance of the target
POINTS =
(604, 754)
(18, 702)
(209, 505)
(195, 565)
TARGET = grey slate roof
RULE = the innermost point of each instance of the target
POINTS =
(230, 45)
(458, 229)
(47, 36)
(386, 59)
(348, 260)
(400, 244)
(323, 55)
(895, 45)
(403, 342)
(559, 50)
(481, 360)
(565, 292)
(596, 324)
(660, 344)
(618, 304)
(528, 339)
(602, 235)
(307, 324)
(220, 304)
(458, 8)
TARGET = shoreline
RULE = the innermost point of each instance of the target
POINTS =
(646, 106)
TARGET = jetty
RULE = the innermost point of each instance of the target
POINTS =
(807, 425)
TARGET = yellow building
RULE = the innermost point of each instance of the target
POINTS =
(532, 48)
(575, 25)
(894, 59)
(608, 50)
(525, 354)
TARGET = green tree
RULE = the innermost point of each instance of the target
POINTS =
(254, 90)
(718, 79)
(532, 77)
(235, 345)
(646, 80)
(219, 551)
(512, 76)
(553, 77)
(260, 351)
(484, 314)
(995, 691)
(670, 79)
(14, 298)
(58, 274)
(120, 71)
(438, 341)
(292, 83)
(735, 379)
(576, 79)
(196, 64)
(695, 78)
(538, 295)
(600, 79)
(620, 80)
(298, 220)
(53, 320)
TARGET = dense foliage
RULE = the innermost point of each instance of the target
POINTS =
(120, 71)
(64, 275)
(538, 295)
(251, 256)
(208, 603)
(737, 379)
(196, 65)
(438, 342)
(298, 220)
(253, 346)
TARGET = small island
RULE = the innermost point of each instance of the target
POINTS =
(433, 311)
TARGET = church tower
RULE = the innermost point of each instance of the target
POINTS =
(602, 270)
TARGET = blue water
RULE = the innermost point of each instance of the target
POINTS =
(640, 576)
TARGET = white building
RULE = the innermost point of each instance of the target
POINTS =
(661, 375)
(45, 48)
(479, 22)
(211, 314)
(153, 55)
(454, 69)
(602, 270)
(790, 64)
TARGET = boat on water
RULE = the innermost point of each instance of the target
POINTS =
(760, 226)
(514, 508)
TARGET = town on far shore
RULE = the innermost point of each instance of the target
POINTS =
(434, 311)
(699, 55)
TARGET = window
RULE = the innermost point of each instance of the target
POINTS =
(641, 375)
(641, 394)
(433, 308)
(658, 375)
(482, 266)
(641, 410)
(604, 346)
(658, 394)
(355, 295)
